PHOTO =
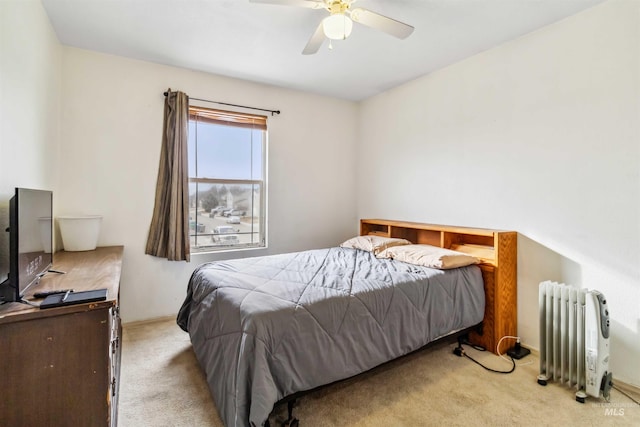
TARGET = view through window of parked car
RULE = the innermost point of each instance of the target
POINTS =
(227, 165)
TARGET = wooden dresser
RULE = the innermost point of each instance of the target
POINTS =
(60, 366)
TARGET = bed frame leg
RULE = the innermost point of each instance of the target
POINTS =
(479, 328)
(291, 421)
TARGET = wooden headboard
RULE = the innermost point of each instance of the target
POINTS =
(495, 248)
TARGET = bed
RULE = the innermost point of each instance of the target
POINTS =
(265, 328)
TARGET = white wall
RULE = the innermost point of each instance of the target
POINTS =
(30, 66)
(111, 136)
(540, 135)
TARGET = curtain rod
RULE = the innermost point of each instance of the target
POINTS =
(233, 105)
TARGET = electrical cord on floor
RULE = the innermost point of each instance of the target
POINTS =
(474, 346)
(517, 347)
(459, 351)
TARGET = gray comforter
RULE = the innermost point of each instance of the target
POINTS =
(264, 328)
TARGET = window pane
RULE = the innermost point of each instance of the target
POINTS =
(224, 152)
(222, 215)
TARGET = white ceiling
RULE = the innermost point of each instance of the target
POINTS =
(263, 43)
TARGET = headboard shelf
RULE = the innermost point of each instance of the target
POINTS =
(374, 228)
(497, 251)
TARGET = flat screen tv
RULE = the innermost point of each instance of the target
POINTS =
(30, 241)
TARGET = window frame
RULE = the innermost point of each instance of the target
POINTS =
(232, 119)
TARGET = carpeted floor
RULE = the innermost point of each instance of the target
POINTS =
(161, 384)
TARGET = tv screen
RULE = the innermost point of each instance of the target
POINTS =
(30, 240)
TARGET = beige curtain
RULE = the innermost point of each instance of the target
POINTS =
(169, 231)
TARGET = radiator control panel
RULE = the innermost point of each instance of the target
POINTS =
(604, 314)
(596, 341)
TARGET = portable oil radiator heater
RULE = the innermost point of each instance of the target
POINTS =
(574, 339)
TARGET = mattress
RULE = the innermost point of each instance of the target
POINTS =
(267, 327)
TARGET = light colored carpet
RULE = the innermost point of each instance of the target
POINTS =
(161, 384)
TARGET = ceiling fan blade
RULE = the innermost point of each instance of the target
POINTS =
(379, 22)
(315, 41)
(311, 4)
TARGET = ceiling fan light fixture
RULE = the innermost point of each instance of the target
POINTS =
(337, 26)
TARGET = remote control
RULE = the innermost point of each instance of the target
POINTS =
(47, 293)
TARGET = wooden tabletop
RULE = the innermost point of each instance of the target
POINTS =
(84, 271)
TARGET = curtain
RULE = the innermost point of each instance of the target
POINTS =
(169, 230)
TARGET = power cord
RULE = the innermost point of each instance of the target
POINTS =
(459, 351)
(26, 301)
(472, 345)
(516, 348)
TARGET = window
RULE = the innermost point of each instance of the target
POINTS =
(227, 194)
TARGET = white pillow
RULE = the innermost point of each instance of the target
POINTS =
(428, 256)
(375, 244)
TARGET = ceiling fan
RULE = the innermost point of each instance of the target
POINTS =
(338, 25)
